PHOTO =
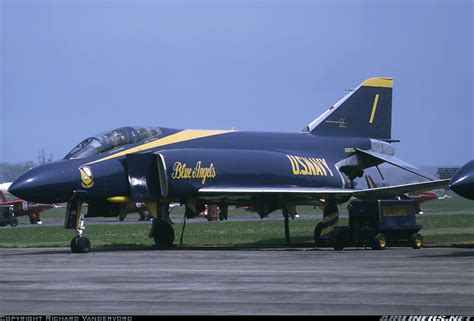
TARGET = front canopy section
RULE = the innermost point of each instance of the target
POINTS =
(113, 139)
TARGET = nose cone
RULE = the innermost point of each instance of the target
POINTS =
(462, 182)
(48, 183)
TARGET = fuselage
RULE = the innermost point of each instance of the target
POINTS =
(196, 158)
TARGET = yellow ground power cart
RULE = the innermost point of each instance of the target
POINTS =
(378, 224)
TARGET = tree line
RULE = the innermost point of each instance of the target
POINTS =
(10, 171)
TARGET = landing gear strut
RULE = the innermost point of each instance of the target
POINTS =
(161, 230)
(286, 216)
(75, 220)
(288, 211)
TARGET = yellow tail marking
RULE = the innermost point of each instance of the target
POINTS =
(378, 82)
(374, 107)
(179, 137)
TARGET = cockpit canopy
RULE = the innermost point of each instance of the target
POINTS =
(113, 139)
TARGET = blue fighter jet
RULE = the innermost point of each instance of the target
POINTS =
(265, 170)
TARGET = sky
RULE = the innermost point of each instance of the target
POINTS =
(73, 68)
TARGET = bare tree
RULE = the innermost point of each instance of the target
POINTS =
(42, 158)
(11, 171)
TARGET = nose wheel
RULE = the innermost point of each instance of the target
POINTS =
(80, 244)
(163, 233)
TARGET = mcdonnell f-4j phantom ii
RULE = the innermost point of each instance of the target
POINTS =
(265, 170)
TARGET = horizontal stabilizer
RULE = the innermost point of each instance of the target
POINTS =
(395, 162)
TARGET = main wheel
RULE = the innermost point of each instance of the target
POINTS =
(380, 241)
(163, 233)
(14, 222)
(317, 234)
(80, 244)
(416, 241)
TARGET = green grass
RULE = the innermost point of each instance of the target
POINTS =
(437, 229)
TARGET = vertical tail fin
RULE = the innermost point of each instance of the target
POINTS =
(365, 112)
(2, 197)
(370, 182)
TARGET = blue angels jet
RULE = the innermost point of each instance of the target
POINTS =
(264, 170)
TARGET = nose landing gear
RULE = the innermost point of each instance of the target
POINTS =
(75, 220)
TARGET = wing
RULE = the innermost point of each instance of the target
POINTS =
(306, 195)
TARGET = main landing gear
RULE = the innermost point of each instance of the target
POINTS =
(75, 220)
(161, 230)
(288, 211)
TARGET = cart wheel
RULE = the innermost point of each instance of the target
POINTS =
(317, 234)
(416, 241)
(338, 244)
(14, 222)
(380, 241)
(80, 244)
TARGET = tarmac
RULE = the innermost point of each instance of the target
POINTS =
(223, 281)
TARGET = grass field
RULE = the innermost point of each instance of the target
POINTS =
(457, 227)
(437, 229)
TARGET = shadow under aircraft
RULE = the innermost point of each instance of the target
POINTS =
(265, 170)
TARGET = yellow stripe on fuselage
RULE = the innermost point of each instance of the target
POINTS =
(179, 137)
(118, 199)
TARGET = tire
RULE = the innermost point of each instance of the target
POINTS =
(163, 233)
(380, 242)
(80, 244)
(416, 241)
(14, 222)
(338, 244)
(317, 234)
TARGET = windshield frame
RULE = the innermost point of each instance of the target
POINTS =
(113, 140)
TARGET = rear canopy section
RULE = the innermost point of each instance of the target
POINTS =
(364, 112)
